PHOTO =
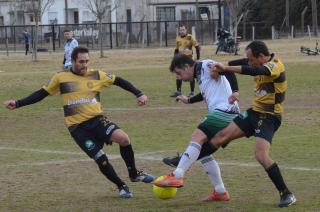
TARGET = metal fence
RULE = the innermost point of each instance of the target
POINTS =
(130, 35)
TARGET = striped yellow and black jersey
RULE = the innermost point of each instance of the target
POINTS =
(270, 90)
(80, 95)
(184, 44)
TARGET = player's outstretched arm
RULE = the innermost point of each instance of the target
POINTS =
(31, 99)
(183, 99)
(191, 100)
(126, 85)
(10, 104)
(142, 100)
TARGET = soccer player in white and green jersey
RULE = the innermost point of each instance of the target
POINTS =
(220, 94)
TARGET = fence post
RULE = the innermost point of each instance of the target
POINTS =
(14, 38)
(110, 27)
(117, 42)
(127, 40)
(272, 32)
(160, 37)
(7, 46)
(148, 34)
(142, 36)
(50, 42)
(166, 33)
(292, 30)
(59, 37)
(215, 33)
(253, 32)
(53, 38)
(309, 31)
(193, 32)
(86, 36)
(7, 41)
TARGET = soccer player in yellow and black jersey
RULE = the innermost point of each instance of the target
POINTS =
(264, 117)
(261, 120)
(80, 97)
(184, 44)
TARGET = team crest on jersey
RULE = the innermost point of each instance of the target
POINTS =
(89, 144)
(108, 75)
(270, 65)
(90, 85)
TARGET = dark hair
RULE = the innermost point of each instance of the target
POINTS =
(181, 61)
(257, 48)
(183, 25)
(66, 30)
(77, 50)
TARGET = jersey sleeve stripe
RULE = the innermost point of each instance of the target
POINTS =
(68, 87)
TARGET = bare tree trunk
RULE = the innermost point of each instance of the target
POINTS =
(314, 17)
(101, 38)
(66, 11)
(35, 39)
(287, 17)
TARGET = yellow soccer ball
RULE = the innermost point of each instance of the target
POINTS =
(164, 193)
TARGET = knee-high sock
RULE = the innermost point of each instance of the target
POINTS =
(192, 85)
(187, 159)
(276, 177)
(127, 155)
(108, 171)
(178, 84)
(213, 171)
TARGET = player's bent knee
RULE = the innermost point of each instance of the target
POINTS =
(124, 140)
(101, 159)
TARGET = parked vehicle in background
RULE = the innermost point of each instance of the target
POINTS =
(227, 43)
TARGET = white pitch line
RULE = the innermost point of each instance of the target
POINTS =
(42, 151)
(142, 156)
(181, 108)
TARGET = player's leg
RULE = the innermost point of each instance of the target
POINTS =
(266, 126)
(214, 122)
(211, 125)
(93, 149)
(192, 85)
(27, 49)
(190, 155)
(239, 127)
(212, 169)
(178, 92)
(127, 154)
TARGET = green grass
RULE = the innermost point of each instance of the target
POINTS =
(42, 169)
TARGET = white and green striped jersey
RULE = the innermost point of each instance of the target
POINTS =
(215, 92)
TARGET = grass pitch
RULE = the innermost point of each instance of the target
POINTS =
(42, 169)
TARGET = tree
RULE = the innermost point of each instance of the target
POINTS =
(238, 8)
(100, 8)
(38, 7)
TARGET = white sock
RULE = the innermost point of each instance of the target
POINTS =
(187, 159)
(213, 171)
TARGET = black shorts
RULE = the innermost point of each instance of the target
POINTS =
(260, 125)
(91, 135)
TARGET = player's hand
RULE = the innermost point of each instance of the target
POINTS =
(183, 99)
(218, 67)
(234, 97)
(142, 100)
(10, 104)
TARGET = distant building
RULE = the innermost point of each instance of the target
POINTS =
(18, 12)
